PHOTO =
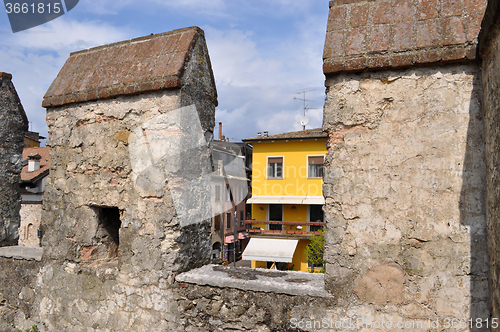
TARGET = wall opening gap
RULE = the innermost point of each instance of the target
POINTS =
(107, 237)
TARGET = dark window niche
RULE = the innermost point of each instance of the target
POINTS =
(107, 238)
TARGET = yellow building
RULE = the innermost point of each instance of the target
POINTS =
(287, 197)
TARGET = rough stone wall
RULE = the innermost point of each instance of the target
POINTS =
(90, 168)
(405, 193)
(31, 215)
(18, 299)
(13, 125)
(225, 309)
(491, 82)
(119, 278)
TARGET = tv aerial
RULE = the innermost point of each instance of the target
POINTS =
(304, 120)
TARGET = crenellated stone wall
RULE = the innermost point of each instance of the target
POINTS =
(114, 234)
(405, 192)
(410, 189)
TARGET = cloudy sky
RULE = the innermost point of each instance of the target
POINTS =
(263, 54)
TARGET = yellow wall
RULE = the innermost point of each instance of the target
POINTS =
(289, 214)
(299, 260)
(295, 181)
(258, 265)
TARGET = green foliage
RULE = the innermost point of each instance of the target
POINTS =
(34, 328)
(315, 250)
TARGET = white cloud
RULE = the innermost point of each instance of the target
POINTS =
(266, 80)
(35, 56)
(262, 54)
(63, 35)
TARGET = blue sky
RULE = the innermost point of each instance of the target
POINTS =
(262, 54)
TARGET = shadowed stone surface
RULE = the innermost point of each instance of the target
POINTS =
(304, 284)
(13, 125)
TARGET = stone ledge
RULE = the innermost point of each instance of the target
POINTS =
(18, 252)
(258, 280)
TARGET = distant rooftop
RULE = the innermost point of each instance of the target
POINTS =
(33, 135)
(44, 163)
(308, 133)
(150, 63)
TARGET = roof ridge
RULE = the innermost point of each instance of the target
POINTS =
(139, 39)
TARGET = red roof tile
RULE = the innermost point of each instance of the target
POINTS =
(372, 34)
(301, 134)
(138, 65)
(44, 162)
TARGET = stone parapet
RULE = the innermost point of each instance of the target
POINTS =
(405, 181)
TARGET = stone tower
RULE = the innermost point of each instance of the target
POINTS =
(13, 125)
(406, 176)
(118, 116)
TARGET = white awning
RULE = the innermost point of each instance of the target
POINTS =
(311, 200)
(314, 200)
(272, 250)
(257, 199)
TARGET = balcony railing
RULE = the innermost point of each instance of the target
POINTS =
(292, 232)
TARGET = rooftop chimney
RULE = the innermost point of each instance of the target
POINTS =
(220, 131)
(266, 134)
(259, 134)
(34, 162)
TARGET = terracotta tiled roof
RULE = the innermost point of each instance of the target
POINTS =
(308, 133)
(44, 162)
(143, 64)
(363, 35)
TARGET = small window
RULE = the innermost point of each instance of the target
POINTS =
(315, 166)
(228, 220)
(228, 194)
(106, 240)
(242, 218)
(275, 168)
(275, 214)
(217, 222)
(217, 193)
(315, 215)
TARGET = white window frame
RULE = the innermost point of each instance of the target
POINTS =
(282, 168)
(307, 163)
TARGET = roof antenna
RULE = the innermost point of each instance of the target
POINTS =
(304, 120)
